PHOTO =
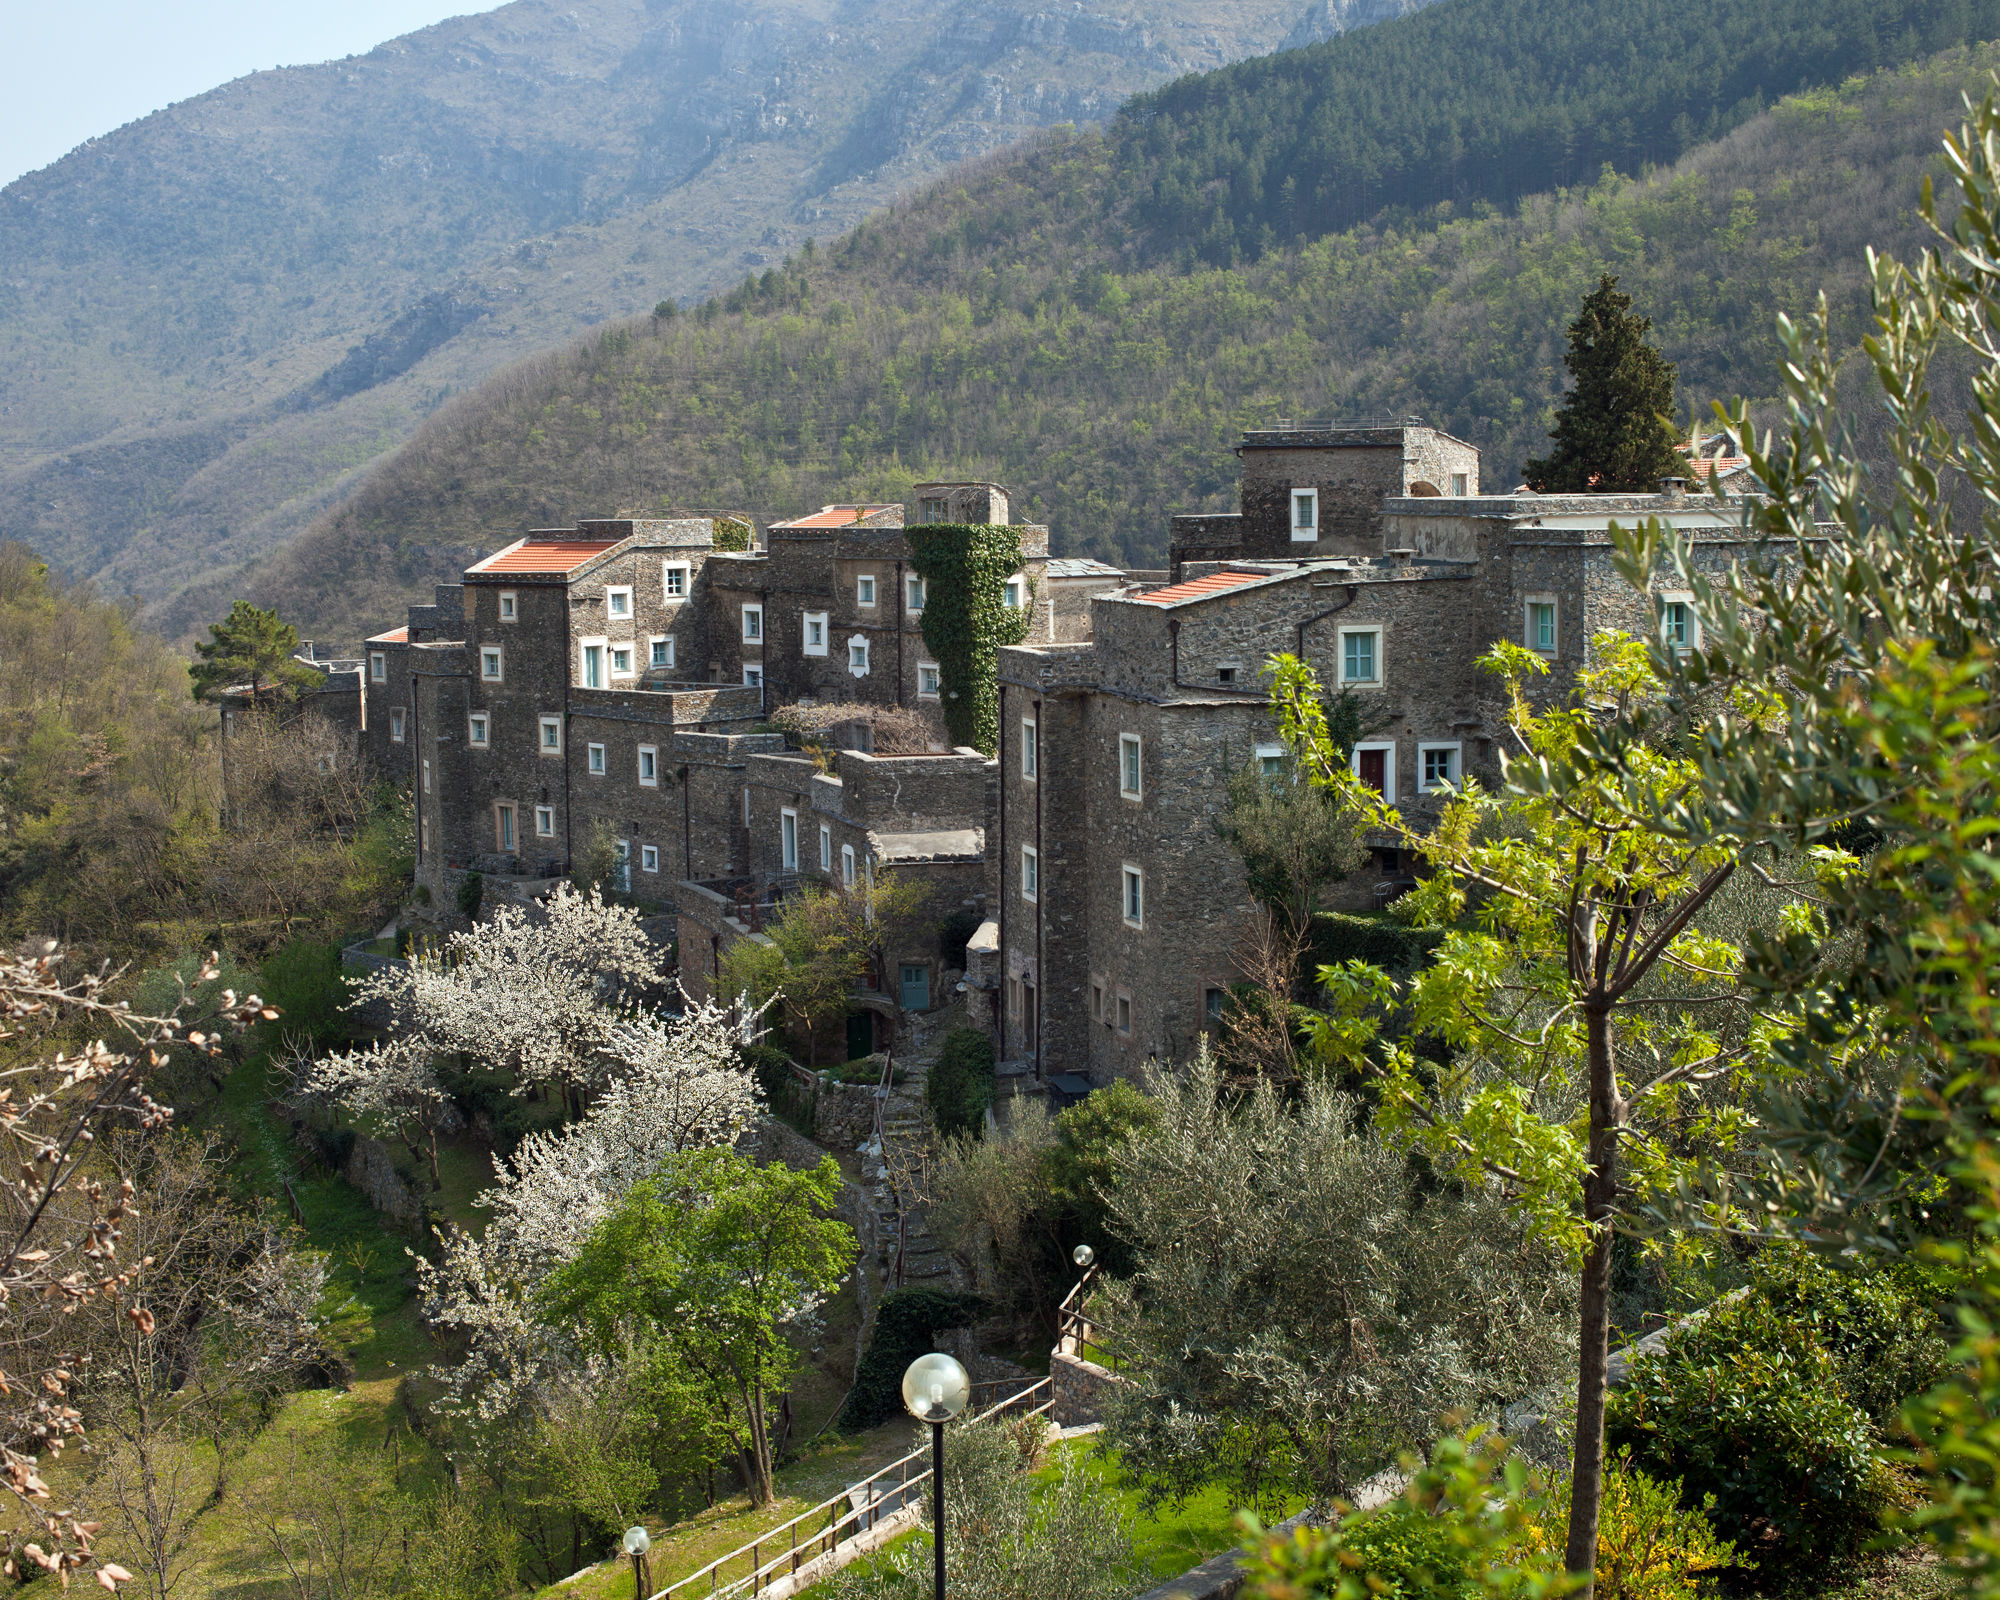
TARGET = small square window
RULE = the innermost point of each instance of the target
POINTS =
(551, 736)
(621, 661)
(396, 725)
(674, 580)
(936, 509)
(1124, 1012)
(847, 865)
(814, 633)
(1305, 516)
(618, 602)
(475, 730)
(1361, 655)
(378, 666)
(1031, 872)
(649, 766)
(864, 589)
(915, 592)
(1437, 766)
(753, 676)
(927, 680)
(825, 848)
(1031, 753)
(489, 664)
(649, 858)
(1129, 765)
(596, 755)
(1226, 675)
(1133, 903)
(753, 624)
(1013, 594)
(510, 606)
(857, 657)
(662, 651)
(1270, 760)
(545, 822)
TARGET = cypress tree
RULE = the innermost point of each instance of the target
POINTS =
(1613, 433)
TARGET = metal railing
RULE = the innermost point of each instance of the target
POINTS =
(1077, 1331)
(800, 1540)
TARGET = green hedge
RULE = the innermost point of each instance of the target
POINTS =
(906, 1326)
(1346, 936)
(961, 1083)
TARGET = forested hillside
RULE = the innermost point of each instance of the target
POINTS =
(998, 327)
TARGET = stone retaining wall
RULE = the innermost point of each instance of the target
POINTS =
(1079, 1389)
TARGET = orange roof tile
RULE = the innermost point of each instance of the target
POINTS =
(393, 636)
(1195, 588)
(835, 516)
(544, 555)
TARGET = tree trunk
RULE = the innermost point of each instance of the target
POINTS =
(437, 1178)
(1600, 1189)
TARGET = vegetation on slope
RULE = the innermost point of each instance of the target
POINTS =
(995, 327)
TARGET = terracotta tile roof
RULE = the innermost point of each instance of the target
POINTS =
(1196, 588)
(1704, 466)
(835, 517)
(544, 555)
(393, 636)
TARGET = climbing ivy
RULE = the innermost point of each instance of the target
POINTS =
(965, 567)
(732, 533)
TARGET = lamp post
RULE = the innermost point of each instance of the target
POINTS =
(935, 1389)
(637, 1542)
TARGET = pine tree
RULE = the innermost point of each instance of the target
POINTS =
(1613, 432)
(252, 647)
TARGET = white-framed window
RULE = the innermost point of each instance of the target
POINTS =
(591, 662)
(1437, 766)
(825, 848)
(545, 822)
(1458, 484)
(847, 865)
(510, 606)
(753, 675)
(1373, 761)
(551, 736)
(927, 680)
(864, 589)
(649, 858)
(476, 728)
(913, 592)
(1122, 1011)
(491, 665)
(1131, 766)
(813, 632)
(788, 839)
(1014, 592)
(378, 666)
(1270, 759)
(503, 827)
(649, 766)
(660, 650)
(857, 656)
(618, 602)
(621, 661)
(1031, 873)
(1305, 515)
(1679, 625)
(1538, 623)
(427, 774)
(1031, 749)
(595, 759)
(753, 624)
(395, 724)
(674, 580)
(1132, 895)
(1361, 656)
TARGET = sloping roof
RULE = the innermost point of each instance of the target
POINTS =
(544, 555)
(1199, 588)
(945, 844)
(834, 517)
(1081, 567)
(393, 636)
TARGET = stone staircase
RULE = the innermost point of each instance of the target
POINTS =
(895, 1176)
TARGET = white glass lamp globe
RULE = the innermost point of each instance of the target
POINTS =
(1083, 1255)
(935, 1388)
(637, 1541)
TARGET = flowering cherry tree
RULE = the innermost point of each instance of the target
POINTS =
(395, 1081)
(63, 1206)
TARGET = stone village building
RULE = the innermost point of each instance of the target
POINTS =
(610, 681)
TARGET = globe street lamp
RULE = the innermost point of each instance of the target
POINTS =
(637, 1542)
(935, 1389)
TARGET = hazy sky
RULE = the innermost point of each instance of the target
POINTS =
(72, 69)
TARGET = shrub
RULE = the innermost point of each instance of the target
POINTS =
(1650, 1546)
(907, 1325)
(1743, 1406)
(1339, 936)
(305, 982)
(791, 1101)
(471, 892)
(961, 1082)
(955, 932)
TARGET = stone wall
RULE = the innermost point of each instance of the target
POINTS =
(1079, 1389)
(372, 1170)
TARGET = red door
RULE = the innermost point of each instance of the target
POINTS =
(1373, 768)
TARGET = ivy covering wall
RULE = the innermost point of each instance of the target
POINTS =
(965, 567)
